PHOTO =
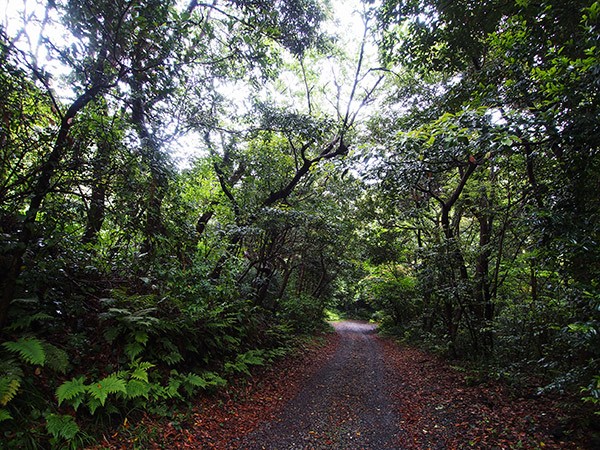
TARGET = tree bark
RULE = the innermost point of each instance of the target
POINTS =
(9, 279)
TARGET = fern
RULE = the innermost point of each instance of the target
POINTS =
(171, 358)
(133, 349)
(25, 321)
(141, 337)
(61, 426)
(140, 370)
(111, 334)
(250, 358)
(10, 380)
(73, 391)
(191, 382)
(109, 385)
(4, 415)
(138, 388)
(172, 388)
(9, 387)
(29, 349)
(56, 359)
(93, 404)
(171, 354)
(214, 380)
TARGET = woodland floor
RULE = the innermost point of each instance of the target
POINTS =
(356, 390)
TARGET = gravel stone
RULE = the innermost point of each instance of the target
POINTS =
(346, 405)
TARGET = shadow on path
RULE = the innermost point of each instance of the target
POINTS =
(347, 405)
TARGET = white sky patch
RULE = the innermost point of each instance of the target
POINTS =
(28, 22)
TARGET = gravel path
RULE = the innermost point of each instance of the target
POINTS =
(347, 405)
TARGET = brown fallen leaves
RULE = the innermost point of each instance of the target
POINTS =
(441, 408)
(215, 421)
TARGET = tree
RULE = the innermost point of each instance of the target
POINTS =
(486, 154)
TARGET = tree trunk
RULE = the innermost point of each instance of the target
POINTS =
(8, 280)
(150, 149)
(97, 207)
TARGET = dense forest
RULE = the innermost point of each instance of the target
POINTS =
(433, 167)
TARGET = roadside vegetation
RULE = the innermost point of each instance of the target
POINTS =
(441, 177)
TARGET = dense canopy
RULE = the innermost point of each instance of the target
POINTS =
(437, 170)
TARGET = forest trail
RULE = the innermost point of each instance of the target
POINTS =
(346, 405)
(354, 390)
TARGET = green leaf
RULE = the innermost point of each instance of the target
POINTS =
(133, 349)
(141, 337)
(191, 381)
(140, 371)
(9, 386)
(172, 389)
(214, 380)
(172, 358)
(25, 321)
(93, 404)
(111, 334)
(74, 389)
(56, 359)
(29, 349)
(4, 415)
(109, 385)
(62, 426)
(251, 357)
(137, 388)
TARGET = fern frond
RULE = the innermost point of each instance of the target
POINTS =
(141, 372)
(93, 404)
(141, 337)
(214, 380)
(29, 349)
(109, 385)
(172, 388)
(133, 349)
(191, 381)
(111, 334)
(4, 415)
(72, 390)
(238, 366)
(62, 426)
(170, 354)
(25, 321)
(56, 359)
(251, 357)
(171, 358)
(137, 388)
(9, 386)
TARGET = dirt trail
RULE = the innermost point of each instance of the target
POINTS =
(346, 405)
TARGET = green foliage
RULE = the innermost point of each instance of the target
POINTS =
(24, 322)
(101, 389)
(134, 386)
(592, 392)
(4, 415)
(55, 358)
(73, 391)
(483, 180)
(61, 426)
(101, 238)
(243, 362)
(29, 349)
(10, 381)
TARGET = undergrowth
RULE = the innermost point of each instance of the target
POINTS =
(66, 379)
